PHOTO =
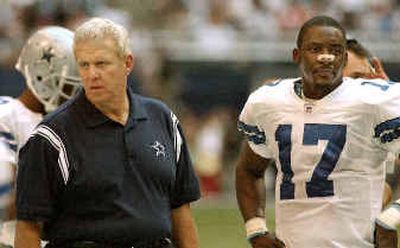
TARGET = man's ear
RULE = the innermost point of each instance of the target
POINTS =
(296, 55)
(346, 58)
(129, 63)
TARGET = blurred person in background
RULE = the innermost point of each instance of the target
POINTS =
(361, 63)
(110, 168)
(46, 61)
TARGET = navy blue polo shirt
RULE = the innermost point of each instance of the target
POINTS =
(90, 178)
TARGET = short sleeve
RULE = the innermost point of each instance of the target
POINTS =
(250, 127)
(387, 123)
(9, 153)
(186, 188)
(38, 179)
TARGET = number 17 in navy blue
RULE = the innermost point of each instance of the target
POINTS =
(319, 184)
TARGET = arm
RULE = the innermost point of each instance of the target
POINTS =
(27, 234)
(250, 193)
(387, 195)
(250, 187)
(183, 229)
(10, 211)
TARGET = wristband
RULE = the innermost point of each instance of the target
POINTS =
(255, 227)
(390, 218)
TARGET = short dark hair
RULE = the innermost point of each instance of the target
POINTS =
(318, 21)
(355, 47)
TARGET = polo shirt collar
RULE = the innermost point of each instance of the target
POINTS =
(93, 117)
(137, 110)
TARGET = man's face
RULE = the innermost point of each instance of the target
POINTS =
(357, 67)
(322, 56)
(102, 69)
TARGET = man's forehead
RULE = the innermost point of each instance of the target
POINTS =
(318, 34)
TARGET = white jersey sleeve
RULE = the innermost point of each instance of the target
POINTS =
(249, 125)
(16, 124)
(387, 123)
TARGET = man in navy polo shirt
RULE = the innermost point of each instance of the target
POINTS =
(110, 168)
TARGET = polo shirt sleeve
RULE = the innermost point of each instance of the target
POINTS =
(187, 187)
(39, 179)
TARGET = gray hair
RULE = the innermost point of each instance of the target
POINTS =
(100, 28)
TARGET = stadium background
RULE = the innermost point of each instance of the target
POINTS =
(203, 57)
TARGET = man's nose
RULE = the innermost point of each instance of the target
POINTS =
(93, 73)
(326, 57)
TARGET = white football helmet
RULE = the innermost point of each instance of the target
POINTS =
(48, 65)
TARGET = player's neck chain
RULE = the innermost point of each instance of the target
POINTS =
(308, 103)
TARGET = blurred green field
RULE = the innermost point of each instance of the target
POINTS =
(220, 227)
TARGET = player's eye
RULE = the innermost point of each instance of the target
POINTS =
(337, 50)
(314, 49)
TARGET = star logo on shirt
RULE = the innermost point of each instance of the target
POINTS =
(158, 148)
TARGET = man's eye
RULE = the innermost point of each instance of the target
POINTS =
(83, 65)
(314, 49)
(337, 50)
(101, 63)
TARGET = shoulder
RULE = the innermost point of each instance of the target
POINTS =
(8, 105)
(373, 91)
(63, 116)
(272, 90)
(152, 106)
(12, 112)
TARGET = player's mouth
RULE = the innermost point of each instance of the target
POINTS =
(324, 72)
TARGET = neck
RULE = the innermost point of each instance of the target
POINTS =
(31, 102)
(316, 91)
(117, 111)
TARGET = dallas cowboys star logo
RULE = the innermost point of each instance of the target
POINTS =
(158, 148)
(48, 54)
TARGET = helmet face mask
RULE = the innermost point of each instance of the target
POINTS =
(48, 65)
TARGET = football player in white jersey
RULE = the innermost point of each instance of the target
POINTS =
(46, 61)
(329, 137)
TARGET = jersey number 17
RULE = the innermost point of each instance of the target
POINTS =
(319, 184)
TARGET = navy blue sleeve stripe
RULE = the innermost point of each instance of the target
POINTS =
(6, 188)
(7, 136)
(9, 139)
(12, 147)
(388, 130)
(253, 133)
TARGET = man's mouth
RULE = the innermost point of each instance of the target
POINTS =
(325, 72)
(96, 87)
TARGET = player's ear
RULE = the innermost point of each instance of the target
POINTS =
(346, 58)
(296, 55)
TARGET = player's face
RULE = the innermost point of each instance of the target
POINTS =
(357, 67)
(321, 57)
(102, 69)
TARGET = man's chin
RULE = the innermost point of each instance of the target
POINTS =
(95, 98)
(327, 80)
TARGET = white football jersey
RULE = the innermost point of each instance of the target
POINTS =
(330, 156)
(16, 124)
